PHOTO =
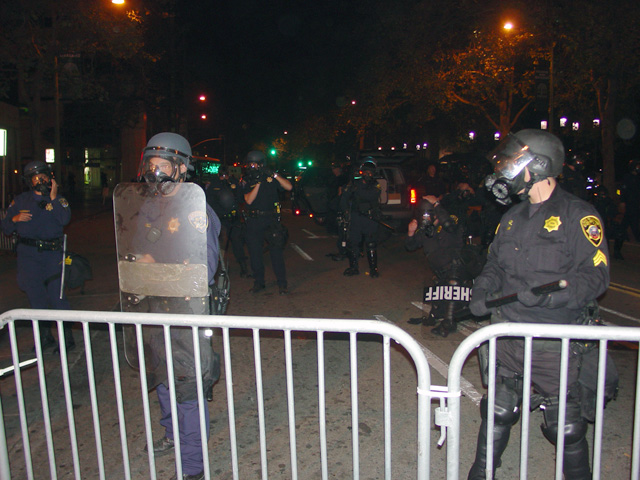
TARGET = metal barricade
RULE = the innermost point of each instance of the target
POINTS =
(87, 400)
(449, 417)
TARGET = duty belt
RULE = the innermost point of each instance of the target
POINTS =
(49, 245)
(260, 213)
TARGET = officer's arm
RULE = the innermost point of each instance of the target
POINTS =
(492, 275)
(61, 210)
(590, 277)
(213, 246)
(8, 225)
(251, 196)
(284, 183)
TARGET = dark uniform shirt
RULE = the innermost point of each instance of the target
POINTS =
(361, 198)
(47, 221)
(267, 199)
(536, 244)
(224, 196)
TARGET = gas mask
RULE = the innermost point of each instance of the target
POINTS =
(42, 185)
(508, 177)
(160, 175)
(426, 218)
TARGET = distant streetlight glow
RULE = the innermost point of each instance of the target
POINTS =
(202, 98)
(496, 136)
(472, 135)
(563, 122)
(508, 26)
(203, 116)
(596, 122)
(544, 125)
(117, 2)
(353, 102)
(575, 126)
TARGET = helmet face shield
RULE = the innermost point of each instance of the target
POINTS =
(508, 160)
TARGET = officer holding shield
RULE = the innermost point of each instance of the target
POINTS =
(550, 235)
(441, 238)
(38, 217)
(175, 232)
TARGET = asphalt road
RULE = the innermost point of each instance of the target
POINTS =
(319, 290)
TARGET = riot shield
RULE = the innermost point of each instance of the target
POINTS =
(161, 243)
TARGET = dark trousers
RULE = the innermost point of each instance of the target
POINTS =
(256, 234)
(34, 269)
(234, 234)
(189, 427)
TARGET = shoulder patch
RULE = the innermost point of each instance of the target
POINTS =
(592, 229)
(63, 202)
(199, 221)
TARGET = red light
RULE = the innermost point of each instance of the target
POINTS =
(297, 212)
(311, 215)
(413, 196)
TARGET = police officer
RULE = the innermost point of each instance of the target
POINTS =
(38, 217)
(224, 197)
(441, 238)
(165, 224)
(550, 235)
(573, 180)
(361, 202)
(261, 188)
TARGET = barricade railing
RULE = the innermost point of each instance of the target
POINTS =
(83, 420)
(449, 417)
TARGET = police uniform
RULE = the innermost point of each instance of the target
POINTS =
(40, 252)
(224, 196)
(263, 223)
(442, 247)
(537, 244)
(362, 200)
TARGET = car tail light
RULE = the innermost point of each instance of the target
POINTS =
(413, 196)
(311, 215)
(296, 212)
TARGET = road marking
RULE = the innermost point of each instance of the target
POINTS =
(301, 252)
(620, 314)
(624, 289)
(443, 369)
(312, 235)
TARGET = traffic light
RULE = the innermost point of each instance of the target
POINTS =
(273, 152)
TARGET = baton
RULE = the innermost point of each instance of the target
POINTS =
(4, 371)
(64, 262)
(497, 302)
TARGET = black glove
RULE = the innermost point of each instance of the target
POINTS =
(267, 172)
(530, 299)
(477, 305)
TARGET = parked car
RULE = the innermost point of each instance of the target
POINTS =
(311, 193)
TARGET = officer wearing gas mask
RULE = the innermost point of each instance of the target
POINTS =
(550, 235)
(441, 238)
(38, 217)
(261, 188)
(360, 201)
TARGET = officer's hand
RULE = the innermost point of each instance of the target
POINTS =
(267, 172)
(477, 305)
(54, 189)
(530, 299)
(413, 226)
(21, 217)
(432, 199)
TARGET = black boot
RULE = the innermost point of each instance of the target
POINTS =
(372, 256)
(445, 328)
(575, 461)
(500, 441)
(353, 265)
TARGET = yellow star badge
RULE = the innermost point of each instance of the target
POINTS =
(552, 224)
(49, 207)
(174, 225)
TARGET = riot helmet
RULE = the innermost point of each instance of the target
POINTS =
(42, 172)
(255, 156)
(368, 169)
(542, 153)
(163, 158)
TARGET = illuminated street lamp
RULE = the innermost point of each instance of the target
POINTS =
(508, 26)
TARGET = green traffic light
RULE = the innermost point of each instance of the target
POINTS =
(309, 163)
(273, 151)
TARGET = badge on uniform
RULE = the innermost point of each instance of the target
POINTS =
(269, 179)
(49, 207)
(592, 229)
(552, 224)
(174, 225)
(63, 202)
(198, 220)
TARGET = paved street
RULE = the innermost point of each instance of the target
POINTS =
(317, 290)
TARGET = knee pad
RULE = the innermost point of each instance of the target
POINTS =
(575, 427)
(506, 407)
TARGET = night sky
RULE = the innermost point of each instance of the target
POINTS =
(267, 65)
